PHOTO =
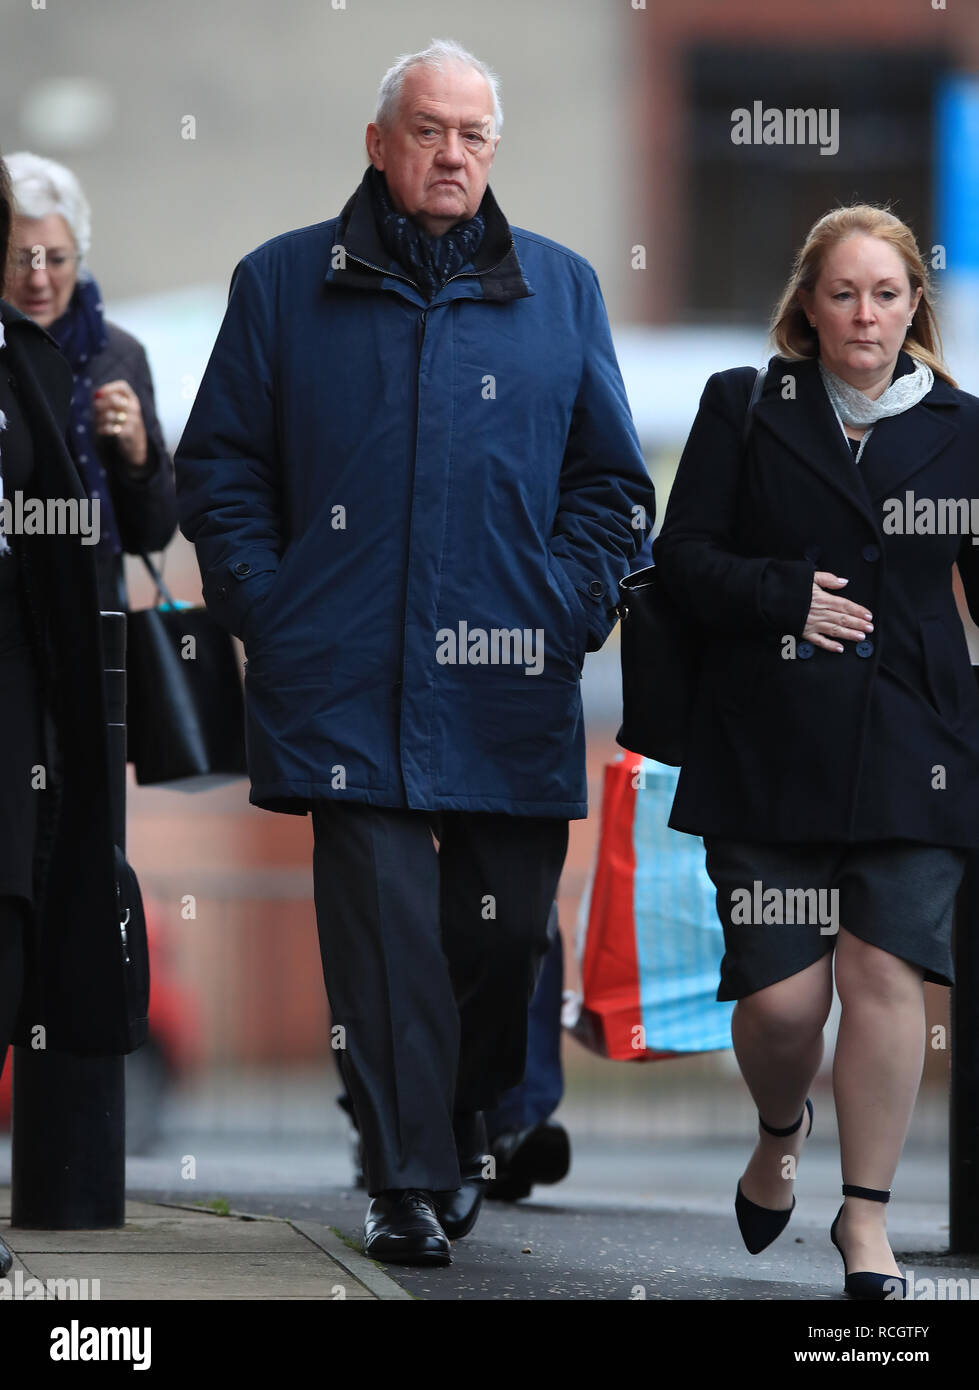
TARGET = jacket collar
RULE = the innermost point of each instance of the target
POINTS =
(368, 265)
(12, 317)
(44, 381)
(898, 446)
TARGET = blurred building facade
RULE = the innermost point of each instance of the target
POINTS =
(724, 218)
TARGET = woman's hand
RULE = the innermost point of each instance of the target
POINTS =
(118, 413)
(832, 616)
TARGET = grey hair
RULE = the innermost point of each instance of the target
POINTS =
(42, 188)
(439, 54)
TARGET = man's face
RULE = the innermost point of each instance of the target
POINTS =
(437, 153)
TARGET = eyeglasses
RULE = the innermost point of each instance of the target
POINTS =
(37, 258)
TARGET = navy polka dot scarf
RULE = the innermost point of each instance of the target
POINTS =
(81, 335)
(430, 260)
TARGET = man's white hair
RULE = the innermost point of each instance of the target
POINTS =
(42, 187)
(440, 54)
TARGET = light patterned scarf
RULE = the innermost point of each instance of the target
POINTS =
(856, 409)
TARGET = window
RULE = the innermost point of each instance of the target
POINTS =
(750, 205)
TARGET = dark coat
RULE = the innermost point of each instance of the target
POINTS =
(880, 741)
(76, 985)
(364, 472)
(145, 500)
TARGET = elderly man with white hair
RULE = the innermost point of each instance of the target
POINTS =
(413, 482)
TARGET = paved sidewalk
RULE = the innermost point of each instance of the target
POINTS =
(166, 1251)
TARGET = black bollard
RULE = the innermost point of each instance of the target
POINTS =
(69, 1113)
(963, 1213)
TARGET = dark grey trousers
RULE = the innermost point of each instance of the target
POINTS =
(430, 958)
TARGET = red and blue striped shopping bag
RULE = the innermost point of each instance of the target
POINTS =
(649, 942)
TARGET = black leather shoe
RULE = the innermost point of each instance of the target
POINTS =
(6, 1259)
(457, 1210)
(401, 1227)
(541, 1154)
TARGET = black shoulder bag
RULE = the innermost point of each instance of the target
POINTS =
(660, 657)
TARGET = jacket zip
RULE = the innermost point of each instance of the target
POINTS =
(371, 266)
(414, 284)
(420, 341)
(465, 273)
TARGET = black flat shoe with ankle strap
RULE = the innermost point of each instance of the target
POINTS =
(864, 1284)
(759, 1226)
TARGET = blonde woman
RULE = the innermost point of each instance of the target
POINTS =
(833, 768)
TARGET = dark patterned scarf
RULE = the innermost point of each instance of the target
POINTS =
(431, 260)
(81, 335)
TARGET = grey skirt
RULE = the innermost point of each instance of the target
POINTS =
(781, 905)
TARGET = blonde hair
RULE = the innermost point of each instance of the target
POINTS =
(791, 333)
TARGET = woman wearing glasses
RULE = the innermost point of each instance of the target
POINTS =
(833, 763)
(61, 965)
(114, 433)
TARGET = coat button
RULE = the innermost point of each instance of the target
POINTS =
(804, 651)
(596, 587)
(865, 649)
(871, 553)
(221, 591)
(243, 567)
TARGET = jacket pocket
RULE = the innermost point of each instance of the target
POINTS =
(949, 671)
(568, 594)
(256, 624)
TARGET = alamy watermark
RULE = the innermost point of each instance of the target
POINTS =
(925, 1290)
(495, 646)
(796, 125)
(19, 1285)
(78, 1343)
(22, 515)
(931, 516)
(759, 906)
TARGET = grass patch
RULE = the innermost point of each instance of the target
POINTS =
(219, 1205)
(349, 1242)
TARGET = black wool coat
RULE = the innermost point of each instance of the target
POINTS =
(76, 984)
(790, 742)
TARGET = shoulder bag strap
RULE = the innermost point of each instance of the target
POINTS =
(752, 401)
(162, 592)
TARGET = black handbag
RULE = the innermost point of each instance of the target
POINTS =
(659, 648)
(185, 706)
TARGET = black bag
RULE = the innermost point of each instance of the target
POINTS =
(185, 702)
(659, 670)
(135, 952)
(659, 648)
